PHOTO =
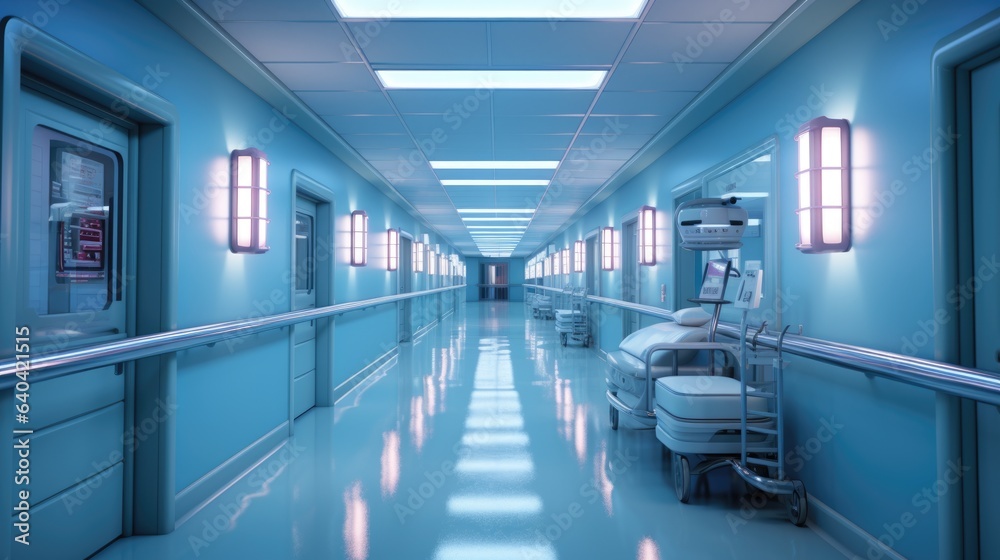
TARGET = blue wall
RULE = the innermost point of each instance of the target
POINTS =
(231, 395)
(871, 67)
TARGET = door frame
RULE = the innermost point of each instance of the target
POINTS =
(631, 319)
(952, 62)
(307, 187)
(29, 50)
(404, 310)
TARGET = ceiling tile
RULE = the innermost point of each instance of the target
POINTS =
(664, 76)
(717, 10)
(508, 102)
(691, 42)
(613, 125)
(293, 41)
(538, 125)
(348, 124)
(346, 102)
(454, 105)
(427, 43)
(324, 76)
(537, 44)
(642, 103)
(268, 10)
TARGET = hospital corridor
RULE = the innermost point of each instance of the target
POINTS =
(508, 280)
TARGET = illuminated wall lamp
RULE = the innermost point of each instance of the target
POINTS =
(565, 261)
(359, 238)
(824, 186)
(393, 238)
(579, 255)
(418, 257)
(647, 236)
(431, 263)
(248, 193)
(607, 248)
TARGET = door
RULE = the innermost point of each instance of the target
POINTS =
(983, 285)
(592, 270)
(70, 242)
(630, 274)
(405, 285)
(304, 337)
(494, 278)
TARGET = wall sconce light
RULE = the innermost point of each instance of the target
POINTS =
(393, 260)
(565, 261)
(556, 264)
(418, 257)
(359, 238)
(824, 186)
(647, 235)
(248, 211)
(607, 248)
(579, 255)
(431, 263)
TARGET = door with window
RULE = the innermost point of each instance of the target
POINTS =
(982, 281)
(405, 286)
(304, 345)
(69, 238)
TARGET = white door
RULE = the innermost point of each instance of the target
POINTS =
(304, 360)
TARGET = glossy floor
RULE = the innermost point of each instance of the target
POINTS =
(485, 439)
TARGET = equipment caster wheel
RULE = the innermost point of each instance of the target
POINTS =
(613, 413)
(682, 477)
(797, 504)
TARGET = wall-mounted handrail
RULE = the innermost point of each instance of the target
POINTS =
(964, 382)
(49, 366)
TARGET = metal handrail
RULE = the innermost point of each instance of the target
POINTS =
(139, 347)
(969, 383)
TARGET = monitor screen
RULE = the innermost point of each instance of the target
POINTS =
(713, 283)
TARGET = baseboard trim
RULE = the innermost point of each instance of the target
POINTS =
(201, 492)
(358, 378)
(844, 534)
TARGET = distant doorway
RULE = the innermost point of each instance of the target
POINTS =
(494, 285)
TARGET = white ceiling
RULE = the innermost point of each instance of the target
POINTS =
(329, 64)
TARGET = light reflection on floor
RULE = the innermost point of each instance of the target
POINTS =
(486, 439)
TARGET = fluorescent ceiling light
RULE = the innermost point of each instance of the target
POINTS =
(496, 219)
(495, 182)
(496, 210)
(509, 9)
(494, 164)
(491, 79)
(496, 227)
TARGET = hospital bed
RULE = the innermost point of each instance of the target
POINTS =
(632, 369)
